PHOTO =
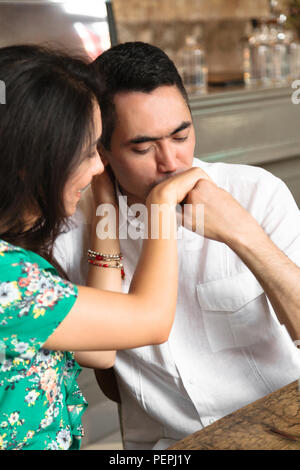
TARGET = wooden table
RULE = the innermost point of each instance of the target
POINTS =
(271, 423)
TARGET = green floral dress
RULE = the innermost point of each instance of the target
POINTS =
(40, 402)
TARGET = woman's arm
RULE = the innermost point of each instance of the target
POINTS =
(108, 279)
(102, 278)
(102, 320)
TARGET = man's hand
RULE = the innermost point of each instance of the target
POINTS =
(225, 220)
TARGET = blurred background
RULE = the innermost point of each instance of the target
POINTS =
(240, 61)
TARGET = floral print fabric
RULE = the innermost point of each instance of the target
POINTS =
(40, 402)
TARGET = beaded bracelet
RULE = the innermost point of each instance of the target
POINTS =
(104, 256)
(94, 256)
(104, 265)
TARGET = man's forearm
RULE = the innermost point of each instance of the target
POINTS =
(226, 221)
(277, 274)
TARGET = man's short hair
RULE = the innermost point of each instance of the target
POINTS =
(130, 67)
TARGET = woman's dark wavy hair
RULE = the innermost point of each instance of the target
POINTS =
(44, 126)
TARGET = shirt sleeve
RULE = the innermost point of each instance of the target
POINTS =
(33, 302)
(281, 219)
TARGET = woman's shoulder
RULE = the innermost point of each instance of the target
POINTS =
(8, 248)
(29, 275)
(12, 255)
(33, 298)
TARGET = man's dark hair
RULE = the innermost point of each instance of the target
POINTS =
(129, 67)
(44, 126)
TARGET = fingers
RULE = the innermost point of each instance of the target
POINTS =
(103, 188)
(175, 189)
(186, 181)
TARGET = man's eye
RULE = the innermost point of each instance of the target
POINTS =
(141, 151)
(180, 139)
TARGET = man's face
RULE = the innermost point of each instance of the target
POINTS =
(153, 139)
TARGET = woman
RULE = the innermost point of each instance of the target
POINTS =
(49, 130)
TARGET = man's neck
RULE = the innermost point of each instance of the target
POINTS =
(131, 198)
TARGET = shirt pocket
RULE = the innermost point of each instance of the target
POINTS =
(235, 312)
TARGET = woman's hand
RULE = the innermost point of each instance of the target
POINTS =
(174, 190)
(103, 188)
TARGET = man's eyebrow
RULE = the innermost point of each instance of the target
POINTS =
(139, 139)
(184, 125)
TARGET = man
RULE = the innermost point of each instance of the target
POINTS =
(238, 286)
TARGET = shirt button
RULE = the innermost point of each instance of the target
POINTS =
(191, 382)
(210, 420)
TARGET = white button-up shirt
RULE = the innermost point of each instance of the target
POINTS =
(226, 348)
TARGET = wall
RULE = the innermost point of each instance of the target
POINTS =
(220, 26)
(253, 127)
(133, 11)
(38, 24)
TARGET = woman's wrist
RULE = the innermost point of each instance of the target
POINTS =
(161, 196)
(105, 227)
(104, 258)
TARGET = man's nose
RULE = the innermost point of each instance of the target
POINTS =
(166, 158)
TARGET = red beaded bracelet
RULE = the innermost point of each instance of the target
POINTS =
(106, 258)
(104, 265)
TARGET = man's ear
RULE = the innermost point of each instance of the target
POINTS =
(105, 160)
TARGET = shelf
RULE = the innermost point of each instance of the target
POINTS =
(250, 126)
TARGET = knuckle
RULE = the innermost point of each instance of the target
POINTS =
(203, 183)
